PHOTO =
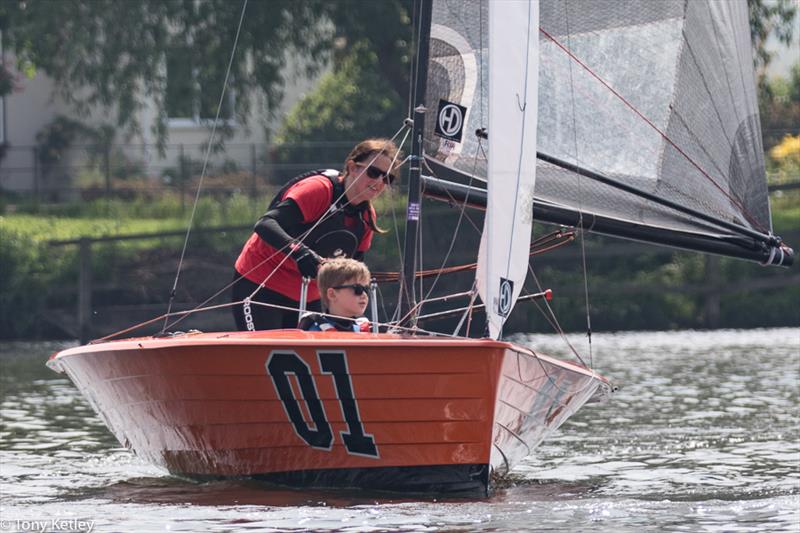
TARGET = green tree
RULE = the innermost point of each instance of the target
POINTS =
(352, 102)
(779, 108)
(113, 53)
(770, 17)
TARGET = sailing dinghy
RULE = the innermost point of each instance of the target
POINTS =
(641, 105)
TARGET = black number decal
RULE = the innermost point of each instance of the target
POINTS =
(279, 366)
(355, 440)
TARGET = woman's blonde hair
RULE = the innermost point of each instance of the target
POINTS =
(338, 271)
(369, 149)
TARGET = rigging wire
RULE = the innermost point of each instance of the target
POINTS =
(552, 319)
(522, 108)
(461, 215)
(333, 210)
(745, 212)
(580, 189)
(205, 163)
(396, 311)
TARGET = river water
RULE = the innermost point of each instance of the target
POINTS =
(703, 435)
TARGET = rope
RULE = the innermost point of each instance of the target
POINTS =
(205, 164)
(580, 191)
(333, 210)
(543, 244)
(663, 135)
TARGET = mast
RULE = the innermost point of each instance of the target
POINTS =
(407, 297)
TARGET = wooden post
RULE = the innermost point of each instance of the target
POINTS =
(107, 170)
(253, 167)
(84, 290)
(182, 179)
(36, 176)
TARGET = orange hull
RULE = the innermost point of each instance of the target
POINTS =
(375, 410)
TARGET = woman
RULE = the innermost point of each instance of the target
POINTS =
(316, 215)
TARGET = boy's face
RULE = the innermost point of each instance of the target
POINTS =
(345, 301)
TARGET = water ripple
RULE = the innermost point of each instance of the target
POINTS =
(703, 435)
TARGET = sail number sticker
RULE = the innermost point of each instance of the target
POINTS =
(506, 294)
(281, 365)
(450, 120)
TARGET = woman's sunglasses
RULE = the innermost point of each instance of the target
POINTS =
(376, 173)
(358, 289)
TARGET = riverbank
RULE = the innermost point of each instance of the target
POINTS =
(631, 286)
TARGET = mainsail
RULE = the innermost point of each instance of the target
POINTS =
(647, 119)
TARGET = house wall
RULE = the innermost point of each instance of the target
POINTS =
(27, 110)
(33, 106)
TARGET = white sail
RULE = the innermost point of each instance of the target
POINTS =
(513, 90)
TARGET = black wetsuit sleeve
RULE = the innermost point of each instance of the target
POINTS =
(273, 225)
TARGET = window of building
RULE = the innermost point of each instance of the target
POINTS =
(193, 94)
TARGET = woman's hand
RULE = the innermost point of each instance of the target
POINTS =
(307, 261)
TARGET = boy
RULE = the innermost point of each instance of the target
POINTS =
(344, 291)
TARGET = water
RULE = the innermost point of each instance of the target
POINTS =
(703, 435)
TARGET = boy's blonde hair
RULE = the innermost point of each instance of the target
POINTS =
(338, 271)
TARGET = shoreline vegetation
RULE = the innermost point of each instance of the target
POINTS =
(631, 286)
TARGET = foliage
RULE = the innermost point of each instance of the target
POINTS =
(770, 17)
(779, 107)
(353, 102)
(22, 284)
(144, 213)
(784, 160)
(383, 28)
(38, 277)
(7, 81)
(54, 140)
(113, 54)
(652, 288)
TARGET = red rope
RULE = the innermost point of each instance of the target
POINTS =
(543, 244)
(736, 202)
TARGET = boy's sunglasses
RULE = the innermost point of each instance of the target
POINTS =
(358, 289)
(376, 173)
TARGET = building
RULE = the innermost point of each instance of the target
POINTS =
(35, 104)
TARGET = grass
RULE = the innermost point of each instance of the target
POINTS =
(786, 213)
(41, 229)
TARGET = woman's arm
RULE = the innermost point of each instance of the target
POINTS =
(270, 228)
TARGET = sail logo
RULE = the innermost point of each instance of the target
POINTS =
(450, 120)
(506, 296)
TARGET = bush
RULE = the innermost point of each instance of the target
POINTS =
(349, 104)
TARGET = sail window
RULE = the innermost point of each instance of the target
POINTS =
(581, 119)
